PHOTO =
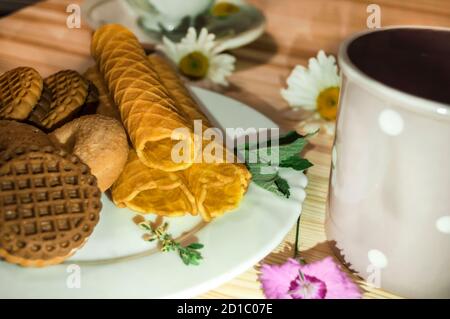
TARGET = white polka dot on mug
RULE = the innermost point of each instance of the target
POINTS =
(391, 122)
(377, 258)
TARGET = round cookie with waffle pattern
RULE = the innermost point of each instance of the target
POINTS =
(49, 201)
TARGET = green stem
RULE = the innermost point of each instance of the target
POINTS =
(297, 235)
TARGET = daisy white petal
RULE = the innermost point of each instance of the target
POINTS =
(301, 91)
(221, 66)
(205, 40)
(294, 99)
(190, 38)
(315, 87)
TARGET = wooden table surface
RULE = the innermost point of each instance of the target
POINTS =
(37, 36)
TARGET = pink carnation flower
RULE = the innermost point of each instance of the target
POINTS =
(322, 279)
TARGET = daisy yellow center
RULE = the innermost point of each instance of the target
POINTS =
(194, 65)
(327, 103)
(224, 9)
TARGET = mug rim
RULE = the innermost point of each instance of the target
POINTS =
(414, 102)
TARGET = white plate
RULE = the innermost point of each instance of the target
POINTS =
(99, 12)
(117, 263)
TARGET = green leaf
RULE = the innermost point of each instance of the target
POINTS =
(185, 259)
(195, 246)
(283, 186)
(270, 186)
(289, 137)
(289, 145)
(289, 150)
(190, 256)
(264, 174)
(145, 226)
(296, 163)
(273, 183)
(256, 169)
(283, 139)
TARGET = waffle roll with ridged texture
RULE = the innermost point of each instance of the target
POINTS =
(146, 189)
(189, 106)
(150, 116)
(49, 200)
(106, 104)
(217, 188)
(217, 184)
(176, 88)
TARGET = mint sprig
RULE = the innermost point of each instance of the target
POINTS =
(190, 254)
(264, 173)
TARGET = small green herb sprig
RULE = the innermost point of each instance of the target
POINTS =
(190, 254)
(264, 173)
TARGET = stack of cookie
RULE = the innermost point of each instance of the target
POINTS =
(47, 103)
(51, 184)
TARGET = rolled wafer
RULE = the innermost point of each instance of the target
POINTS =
(217, 185)
(174, 85)
(183, 99)
(146, 189)
(217, 188)
(208, 189)
(153, 121)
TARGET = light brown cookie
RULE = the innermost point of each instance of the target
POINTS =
(99, 141)
(20, 90)
(69, 91)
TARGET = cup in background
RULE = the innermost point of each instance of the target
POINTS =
(167, 13)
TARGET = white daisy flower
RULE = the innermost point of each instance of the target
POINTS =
(199, 57)
(315, 88)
